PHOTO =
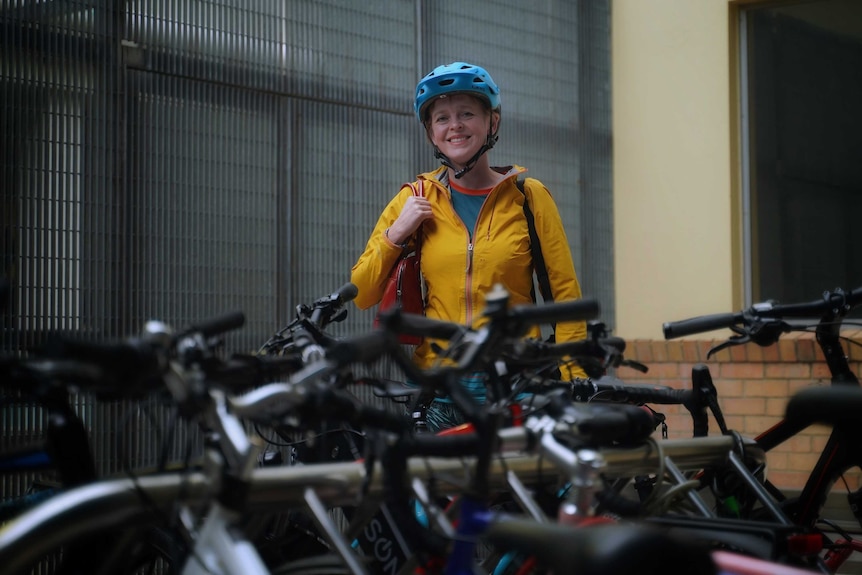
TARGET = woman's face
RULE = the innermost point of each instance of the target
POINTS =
(458, 125)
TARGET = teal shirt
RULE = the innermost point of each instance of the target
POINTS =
(467, 207)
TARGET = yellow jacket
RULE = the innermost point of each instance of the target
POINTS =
(457, 273)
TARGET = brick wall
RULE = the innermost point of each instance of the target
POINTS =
(753, 383)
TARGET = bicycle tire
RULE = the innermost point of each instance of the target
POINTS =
(147, 551)
(328, 564)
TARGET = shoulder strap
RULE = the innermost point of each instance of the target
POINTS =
(419, 191)
(536, 248)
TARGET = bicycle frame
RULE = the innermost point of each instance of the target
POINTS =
(763, 324)
(840, 452)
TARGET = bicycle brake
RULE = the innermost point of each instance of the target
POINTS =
(743, 337)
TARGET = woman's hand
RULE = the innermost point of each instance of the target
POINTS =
(415, 211)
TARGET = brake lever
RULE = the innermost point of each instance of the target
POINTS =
(636, 365)
(742, 338)
(338, 316)
(615, 358)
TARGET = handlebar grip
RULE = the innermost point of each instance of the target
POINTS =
(220, 324)
(125, 362)
(599, 390)
(812, 309)
(556, 312)
(658, 394)
(364, 348)
(700, 324)
(415, 324)
(242, 372)
(345, 293)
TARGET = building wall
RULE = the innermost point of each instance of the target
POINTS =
(677, 220)
(753, 385)
(673, 164)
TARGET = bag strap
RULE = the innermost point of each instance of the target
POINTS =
(419, 193)
(536, 249)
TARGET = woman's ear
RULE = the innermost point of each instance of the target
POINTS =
(428, 132)
(495, 122)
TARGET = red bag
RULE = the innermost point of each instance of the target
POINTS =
(404, 286)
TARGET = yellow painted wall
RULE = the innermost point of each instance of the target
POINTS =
(675, 230)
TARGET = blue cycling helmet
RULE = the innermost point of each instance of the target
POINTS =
(457, 77)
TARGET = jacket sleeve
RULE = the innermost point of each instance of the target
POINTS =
(558, 262)
(372, 269)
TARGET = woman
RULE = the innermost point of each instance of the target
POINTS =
(474, 232)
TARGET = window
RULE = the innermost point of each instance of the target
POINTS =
(802, 148)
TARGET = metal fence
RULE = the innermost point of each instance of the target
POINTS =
(179, 159)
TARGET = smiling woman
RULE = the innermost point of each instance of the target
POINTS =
(474, 231)
(461, 128)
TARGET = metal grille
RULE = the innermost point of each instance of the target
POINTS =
(177, 160)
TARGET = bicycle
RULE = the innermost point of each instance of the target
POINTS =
(107, 372)
(185, 386)
(190, 404)
(763, 324)
(149, 499)
(781, 541)
(63, 458)
(212, 391)
(698, 399)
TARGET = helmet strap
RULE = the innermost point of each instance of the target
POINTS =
(471, 163)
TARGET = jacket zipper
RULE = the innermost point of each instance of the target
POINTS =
(468, 284)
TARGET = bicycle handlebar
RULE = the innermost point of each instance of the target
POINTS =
(612, 389)
(125, 366)
(837, 301)
(700, 324)
(217, 325)
(344, 294)
(526, 314)
(325, 310)
(556, 312)
(414, 324)
(134, 364)
(363, 348)
(278, 399)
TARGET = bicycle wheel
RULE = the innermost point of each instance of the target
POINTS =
(145, 551)
(286, 537)
(328, 564)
